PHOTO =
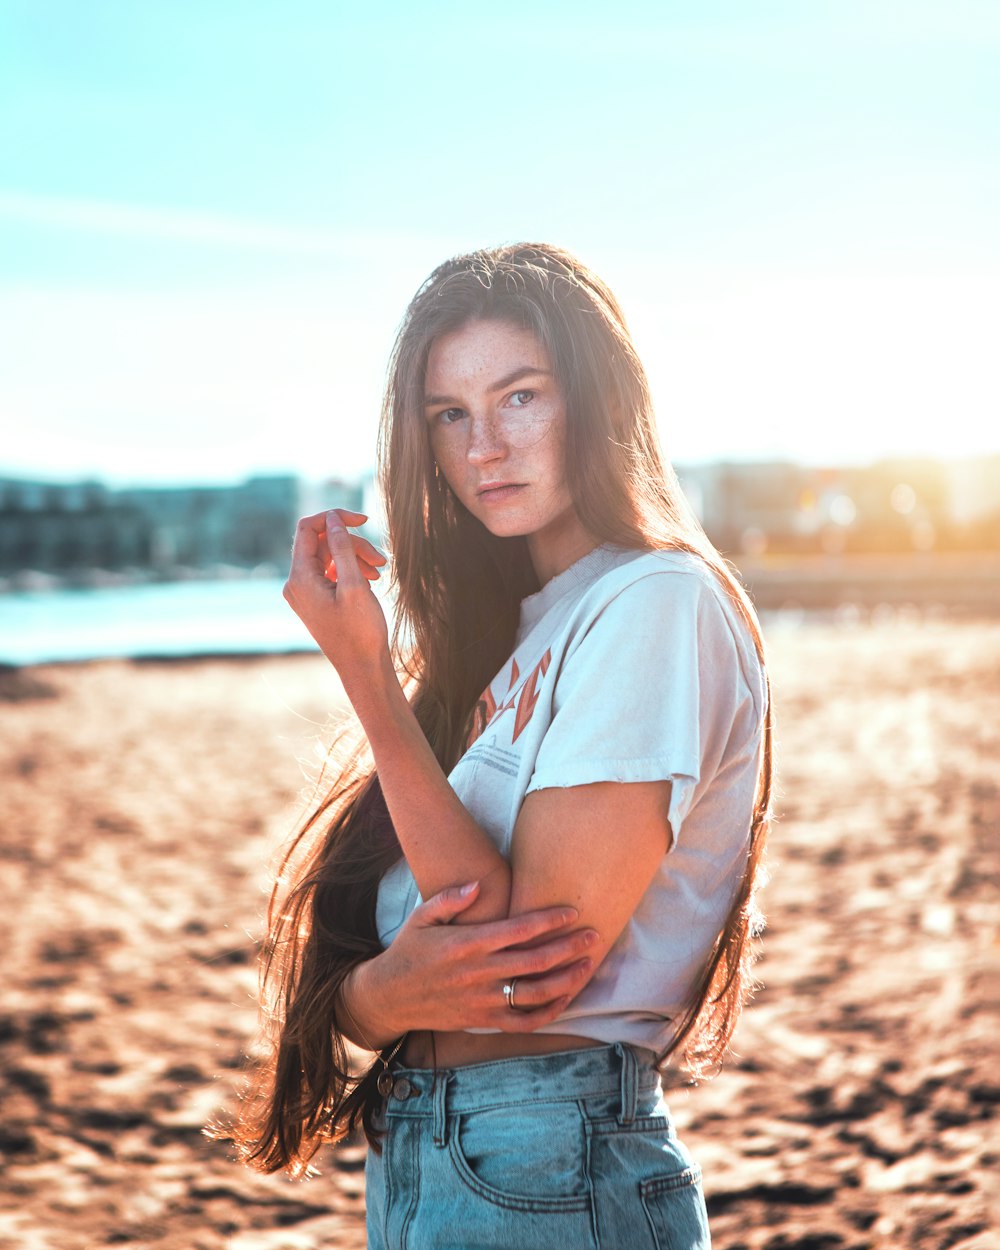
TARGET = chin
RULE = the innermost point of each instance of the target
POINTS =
(510, 530)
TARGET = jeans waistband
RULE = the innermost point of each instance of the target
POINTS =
(620, 1071)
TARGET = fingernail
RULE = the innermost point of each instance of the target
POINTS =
(585, 965)
(569, 914)
(333, 521)
(466, 890)
(590, 936)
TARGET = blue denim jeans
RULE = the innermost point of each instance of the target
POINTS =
(573, 1150)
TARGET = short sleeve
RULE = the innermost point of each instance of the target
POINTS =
(648, 692)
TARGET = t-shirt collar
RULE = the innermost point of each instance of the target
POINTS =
(582, 572)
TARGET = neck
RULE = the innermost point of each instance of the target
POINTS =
(553, 553)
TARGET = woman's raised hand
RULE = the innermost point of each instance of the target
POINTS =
(328, 589)
(443, 976)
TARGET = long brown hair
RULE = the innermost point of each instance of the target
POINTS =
(458, 592)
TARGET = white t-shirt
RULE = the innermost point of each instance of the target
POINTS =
(629, 666)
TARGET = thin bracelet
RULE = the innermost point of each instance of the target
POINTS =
(385, 1081)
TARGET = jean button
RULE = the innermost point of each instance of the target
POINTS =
(402, 1089)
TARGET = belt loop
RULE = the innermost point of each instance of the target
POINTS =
(440, 1108)
(629, 1083)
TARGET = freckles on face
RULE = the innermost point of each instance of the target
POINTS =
(496, 420)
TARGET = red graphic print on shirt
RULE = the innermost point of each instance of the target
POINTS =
(523, 704)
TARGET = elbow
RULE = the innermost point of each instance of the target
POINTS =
(493, 899)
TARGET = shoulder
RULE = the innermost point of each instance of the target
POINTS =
(652, 584)
(671, 602)
(656, 575)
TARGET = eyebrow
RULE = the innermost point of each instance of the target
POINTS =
(522, 371)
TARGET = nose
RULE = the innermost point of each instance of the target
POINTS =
(486, 441)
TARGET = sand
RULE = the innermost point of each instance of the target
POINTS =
(139, 803)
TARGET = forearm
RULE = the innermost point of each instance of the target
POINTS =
(442, 976)
(364, 1014)
(443, 845)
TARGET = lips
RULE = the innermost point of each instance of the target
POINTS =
(497, 492)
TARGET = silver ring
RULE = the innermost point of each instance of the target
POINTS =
(508, 994)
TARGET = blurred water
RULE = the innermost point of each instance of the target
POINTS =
(177, 618)
(242, 616)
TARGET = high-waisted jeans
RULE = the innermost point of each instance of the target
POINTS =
(568, 1151)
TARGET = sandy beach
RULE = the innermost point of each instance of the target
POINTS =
(140, 804)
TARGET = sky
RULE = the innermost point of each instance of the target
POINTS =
(214, 212)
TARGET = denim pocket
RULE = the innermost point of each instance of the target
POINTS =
(530, 1158)
(675, 1209)
(660, 1205)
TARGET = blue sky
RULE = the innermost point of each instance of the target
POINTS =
(212, 215)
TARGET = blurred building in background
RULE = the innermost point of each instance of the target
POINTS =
(751, 511)
(67, 528)
(893, 506)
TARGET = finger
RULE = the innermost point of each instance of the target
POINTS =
(317, 520)
(349, 517)
(306, 551)
(368, 556)
(499, 934)
(533, 993)
(443, 907)
(367, 551)
(554, 953)
(527, 1021)
(341, 548)
(367, 571)
(311, 540)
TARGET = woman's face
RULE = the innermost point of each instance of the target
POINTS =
(497, 421)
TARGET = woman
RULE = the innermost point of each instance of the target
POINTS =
(567, 755)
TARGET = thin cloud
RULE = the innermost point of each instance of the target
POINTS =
(141, 221)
